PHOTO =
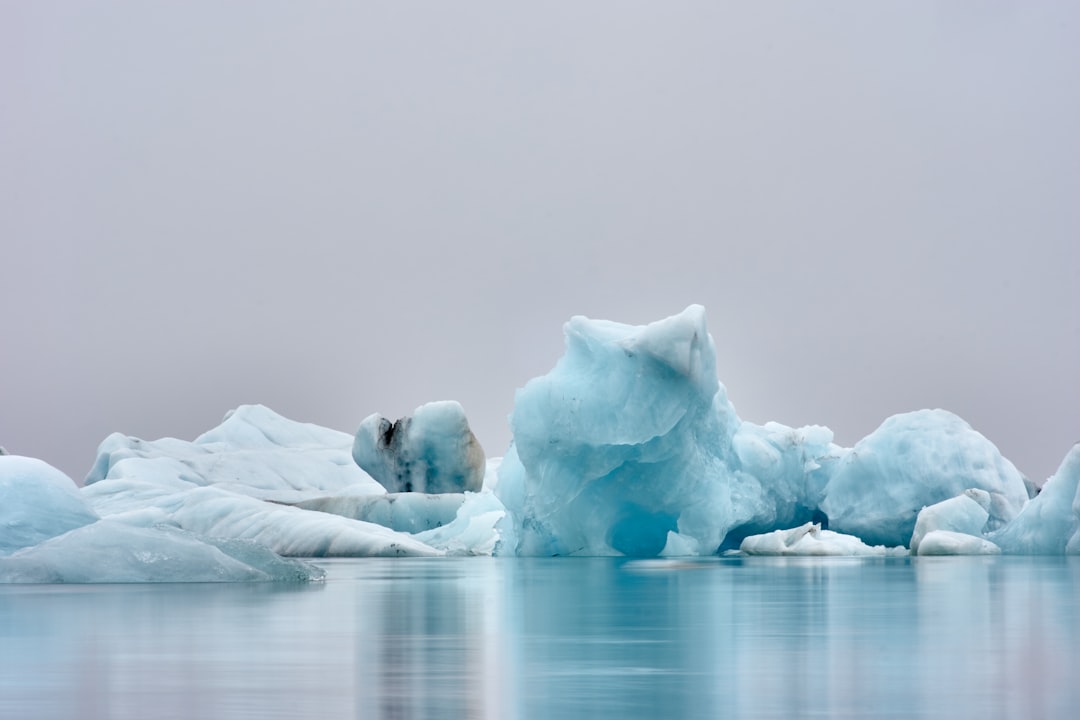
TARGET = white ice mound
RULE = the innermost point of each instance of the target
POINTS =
(810, 539)
(948, 542)
(914, 460)
(629, 445)
(37, 502)
(110, 551)
(433, 451)
(254, 451)
(966, 513)
(1050, 523)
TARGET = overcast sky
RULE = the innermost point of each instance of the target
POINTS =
(338, 208)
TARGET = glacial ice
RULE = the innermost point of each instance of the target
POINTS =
(254, 451)
(811, 540)
(50, 534)
(628, 446)
(111, 551)
(913, 460)
(967, 513)
(432, 451)
(948, 542)
(37, 502)
(1050, 523)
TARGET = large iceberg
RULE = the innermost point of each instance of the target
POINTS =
(630, 446)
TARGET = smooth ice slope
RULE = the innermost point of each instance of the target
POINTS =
(406, 512)
(914, 460)
(37, 502)
(1050, 523)
(110, 551)
(629, 445)
(432, 451)
(49, 533)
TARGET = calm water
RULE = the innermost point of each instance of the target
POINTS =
(559, 638)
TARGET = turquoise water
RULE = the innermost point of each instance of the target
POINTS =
(560, 638)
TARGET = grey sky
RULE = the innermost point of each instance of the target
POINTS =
(341, 208)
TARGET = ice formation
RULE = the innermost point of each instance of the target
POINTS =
(913, 460)
(49, 533)
(1050, 523)
(253, 452)
(37, 502)
(628, 446)
(433, 451)
(967, 513)
(810, 539)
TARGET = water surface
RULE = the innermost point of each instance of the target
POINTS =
(560, 638)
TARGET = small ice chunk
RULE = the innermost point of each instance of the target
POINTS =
(433, 451)
(810, 539)
(966, 513)
(947, 542)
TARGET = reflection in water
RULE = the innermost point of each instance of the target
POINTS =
(559, 638)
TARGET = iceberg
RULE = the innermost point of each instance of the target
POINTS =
(913, 460)
(630, 446)
(949, 542)
(232, 481)
(432, 451)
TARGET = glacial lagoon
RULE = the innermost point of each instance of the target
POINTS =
(506, 638)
